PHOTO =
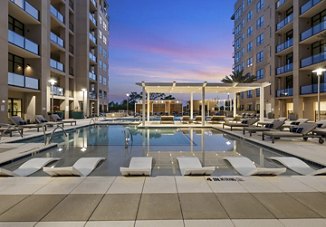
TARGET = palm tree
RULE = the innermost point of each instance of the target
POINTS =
(238, 77)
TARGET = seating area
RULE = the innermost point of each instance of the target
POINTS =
(56, 118)
(242, 124)
(167, 120)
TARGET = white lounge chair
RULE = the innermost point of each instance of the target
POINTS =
(82, 167)
(299, 166)
(192, 166)
(29, 167)
(138, 166)
(246, 167)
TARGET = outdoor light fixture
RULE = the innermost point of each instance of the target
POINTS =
(127, 103)
(84, 90)
(52, 82)
(319, 72)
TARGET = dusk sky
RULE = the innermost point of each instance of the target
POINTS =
(168, 40)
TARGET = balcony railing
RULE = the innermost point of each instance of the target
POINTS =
(279, 3)
(92, 37)
(28, 8)
(92, 95)
(312, 89)
(22, 42)
(284, 45)
(22, 81)
(57, 91)
(56, 65)
(284, 92)
(284, 22)
(92, 57)
(305, 7)
(71, 4)
(92, 18)
(92, 75)
(313, 59)
(56, 14)
(93, 2)
(284, 69)
(313, 30)
(56, 39)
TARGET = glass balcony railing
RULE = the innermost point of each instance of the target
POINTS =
(305, 7)
(92, 95)
(92, 18)
(56, 39)
(284, 22)
(28, 8)
(284, 45)
(93, 2)
(92, 57)
(92, 75)
(92, 37)
(284, 92)
(313, 31)
(56, 65)
(22, 81)
(284, 69)
(56, 14)
(312, 89)
(57, 91)
(313, 59)
(279, 3)
(22, 42)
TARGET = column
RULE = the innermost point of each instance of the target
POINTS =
(261, 104)
(148, 106)
(191, 105)
(203, 107)
(234, 104)
(143, 106)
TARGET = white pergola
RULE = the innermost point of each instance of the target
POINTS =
(203, 89)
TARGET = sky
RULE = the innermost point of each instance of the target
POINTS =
(168, 40)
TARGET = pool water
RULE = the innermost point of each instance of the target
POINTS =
(119, 143)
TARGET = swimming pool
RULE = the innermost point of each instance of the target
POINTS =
(118, 143)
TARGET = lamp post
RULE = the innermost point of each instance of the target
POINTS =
(127, 103)
(84, 106)
(319, 72)
(52, 82)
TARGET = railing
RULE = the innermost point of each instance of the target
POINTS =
(92, 95)
(28, 8)
(284, 45)
(92, 18)
(313, 59)
(284, 69)
(56, 39)
(305, 7)
(23, 81)
(71, 26)
(311, 89)
(71, 48)
(56, 14)
(284, 22)
(284, 92)
(57, 91)
(92, 37)
(94, 3)
(56, 65)
(92, 57)
(22, 42)
(71, 4)
(279, 3)
(92, 75)
(313, 31)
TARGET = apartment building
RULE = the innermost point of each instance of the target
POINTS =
(54, 57)
(293, 44)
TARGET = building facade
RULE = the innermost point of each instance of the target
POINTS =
(54, 57)
(282, 42)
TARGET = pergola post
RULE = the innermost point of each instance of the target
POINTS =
(261, 104)
(234, 104)
(148, 106)
(143, 105)
(191, 105)
(203, 107)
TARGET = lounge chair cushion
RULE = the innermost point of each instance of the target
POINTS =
(244, 122)
(22, 122)
(192, 166)
(7, 173)
(295, 123)
(269, 125)
(62, 171)
(138, 166)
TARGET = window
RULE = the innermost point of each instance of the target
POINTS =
(260, 39)
(249, 62)
(249, 15)
(100, 64)
(105, 27)
(249, 94)
(249, 47)
(15, 64)
(260, 22)
(249, 2)
(259, 5)
(260, 74)
(260, 56)
(104, 67)
(258, 93)
(100, 79)
(15, 26)
(100, 20)
(104, 40)
(249, 31)
(104, 81)
(100, 34)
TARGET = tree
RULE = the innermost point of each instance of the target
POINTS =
(238, 77)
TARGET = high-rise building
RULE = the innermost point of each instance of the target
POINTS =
(53, 57)
(282, 42)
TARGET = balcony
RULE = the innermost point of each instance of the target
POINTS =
(92, 95)
(28, 8)
(93, 2)
(58, 91)
(92, 76)
(307, 6)
(22, 42)
(284, 45)
(56, 39)
(313, 59)
(284, 92)
(56, 14)
(71, 4)
(284, 69)
(284, 22)
(312, 89)
(56, 65)
(92, 18)
(92, 57)
(279, 3)
(23, 81)
(313, 31)
(92, 37)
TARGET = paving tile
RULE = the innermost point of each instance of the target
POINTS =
(192, 184)
(315, 201)
(31, 209)
(94, 185)
(7, 201)
(208, 223)
(317, 182)
(122, 185)
(303, 222)
(245, 206)
(110, 224)
(159, 223)
(60, 185)
(226, 187)
(289, 184)
(61, 224)
(159, 207)
(160, 184)
(284, 206)
(17, 224)
(258, 184)
(255, 222)
(74, 208)
(13, 185)
(201, 206)
(117, 207)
